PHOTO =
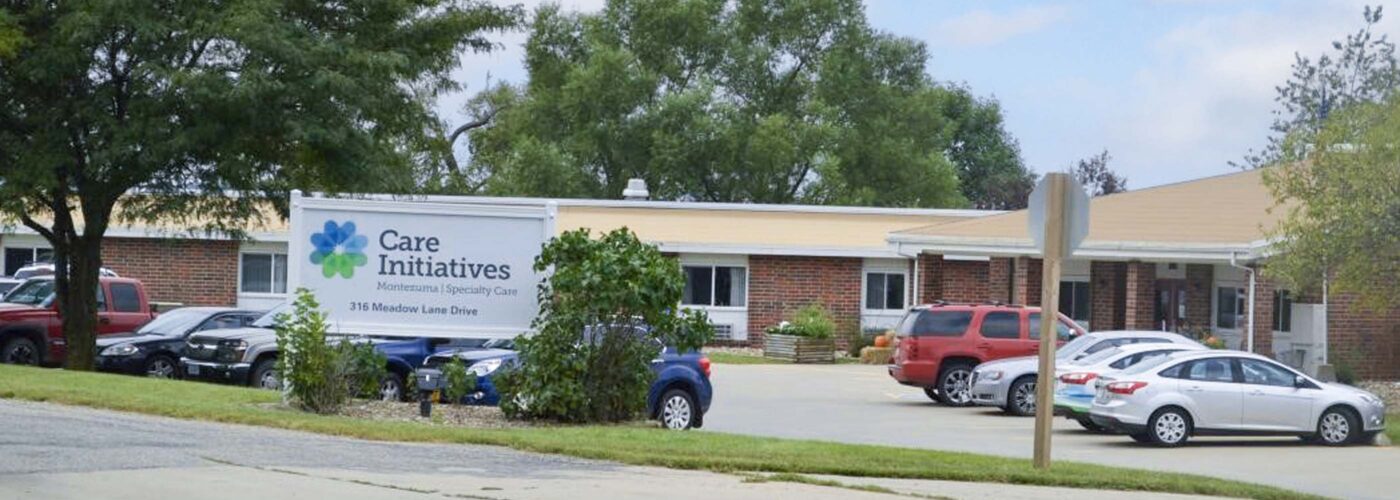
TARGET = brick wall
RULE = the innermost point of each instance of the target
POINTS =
(999, 275)
(192, 272)
(1027, 281)
(1366, 340)
(1263, 317)
(964, 281)
(1140, 291)
(930, 271)
(780, 285)
(1106, 290)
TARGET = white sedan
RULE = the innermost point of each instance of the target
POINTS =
(1074, 387)
(1168, 399)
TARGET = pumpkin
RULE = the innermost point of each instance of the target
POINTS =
(882, 341)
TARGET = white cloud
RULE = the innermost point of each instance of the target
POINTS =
(983, 27)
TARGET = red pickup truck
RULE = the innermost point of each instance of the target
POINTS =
(31, 330)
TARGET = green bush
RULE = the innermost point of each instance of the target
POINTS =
(811, 321)
(321, 377)
(458, 382)
(605, 286)
(860, 340)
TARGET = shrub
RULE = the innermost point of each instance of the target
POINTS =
(322, 377)
(458, 382)
(811, 321)
(608, 287)
(859, 341)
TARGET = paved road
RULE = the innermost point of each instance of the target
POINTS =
(58, 452)
(861, 404)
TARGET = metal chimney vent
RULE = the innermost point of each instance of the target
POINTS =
(636, 190)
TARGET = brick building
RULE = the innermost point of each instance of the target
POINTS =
(1180, 257)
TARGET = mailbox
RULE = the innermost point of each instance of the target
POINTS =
(430, 380)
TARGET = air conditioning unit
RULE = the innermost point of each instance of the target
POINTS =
(725, 331)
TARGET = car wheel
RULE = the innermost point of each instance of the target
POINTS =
(1090, 426)
(161, 366)
(931, 393)
(1020, 400)
(20, 351)
(391, 388)
(265, 375)
(954, 385)
(1169, 427)
(1338, 427)
(678, 410)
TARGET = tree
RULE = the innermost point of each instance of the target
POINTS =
(747, 101)
(1093, 172)
(1342, 206)
(117, 110)
(1364, 69)
(587, 362)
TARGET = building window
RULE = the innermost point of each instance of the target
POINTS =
(1074, 300)
(16, 258)
(884, 291)
(1283, 311)
(1229, 307)
(719, 286)
(263, 273)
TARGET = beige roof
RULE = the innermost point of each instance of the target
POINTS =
(1230, 212)
(752, 231)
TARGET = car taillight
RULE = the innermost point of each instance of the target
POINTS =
(1126, 388)
(705, 366)
(1078, 378)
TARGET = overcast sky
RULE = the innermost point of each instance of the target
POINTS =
(1173, 89)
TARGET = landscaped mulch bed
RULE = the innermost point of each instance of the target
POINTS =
(481, 417)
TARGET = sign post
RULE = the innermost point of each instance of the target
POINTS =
(1059, 220)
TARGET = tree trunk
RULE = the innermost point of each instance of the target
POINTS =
(78, 301)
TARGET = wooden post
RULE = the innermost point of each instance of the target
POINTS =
(1055, 243)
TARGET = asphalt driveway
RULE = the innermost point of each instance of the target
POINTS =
(861, 404)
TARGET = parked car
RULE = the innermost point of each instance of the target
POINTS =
(405, 355)
(1074, 386)
(678, 398)
(47, 269)
(154, 349)
(1166, 400)
(1009, 384)
(31, 330)
(940, 344)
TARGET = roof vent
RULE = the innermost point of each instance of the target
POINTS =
(636, 190)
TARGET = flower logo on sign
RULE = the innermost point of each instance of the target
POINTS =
(338, 249)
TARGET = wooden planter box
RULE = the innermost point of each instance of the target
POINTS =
(799, 349)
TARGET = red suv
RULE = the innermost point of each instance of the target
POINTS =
(940, 343)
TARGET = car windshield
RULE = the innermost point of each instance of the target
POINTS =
(1073, 347)
(31, 293)
(269, 319)
(1097, 357)
(1145, 364)
(175, 322)
(6, 286)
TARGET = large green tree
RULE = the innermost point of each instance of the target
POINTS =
(751, 100)
(1342, 207)
(195, 112)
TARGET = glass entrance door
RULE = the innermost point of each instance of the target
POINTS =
(1170, 312)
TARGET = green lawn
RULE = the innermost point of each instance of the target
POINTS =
(1392, 428)
(729, 358)
(626, 444)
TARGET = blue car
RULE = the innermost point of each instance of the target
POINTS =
(678, 398)
(404, 356)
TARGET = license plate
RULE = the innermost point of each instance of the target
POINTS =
(192, 369)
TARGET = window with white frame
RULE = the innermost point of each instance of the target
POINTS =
(1075, 300)
(262, 272)
(1283, 311)
(18, 257)
(884, 291)
(719, 286)
(1229, 307)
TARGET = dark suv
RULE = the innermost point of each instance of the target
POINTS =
(940, 343)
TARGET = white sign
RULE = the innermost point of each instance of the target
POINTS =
(1076, 205)
(407, 268)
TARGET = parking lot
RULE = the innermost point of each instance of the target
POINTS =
(860, 404)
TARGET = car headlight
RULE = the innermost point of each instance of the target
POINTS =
(232, 350)
(484, 368)
(990, 375)
(120, 350)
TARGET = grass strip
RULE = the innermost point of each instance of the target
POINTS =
(712, 451)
